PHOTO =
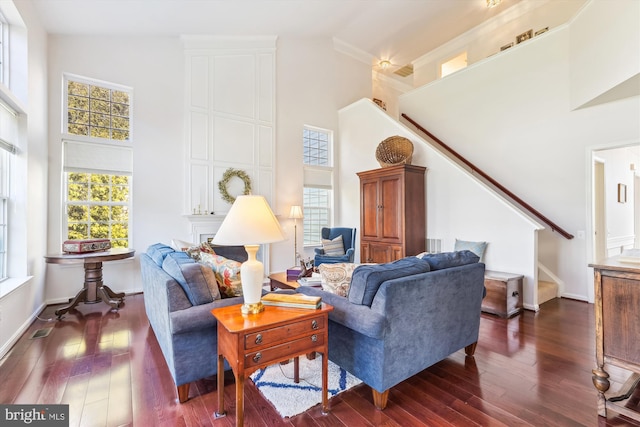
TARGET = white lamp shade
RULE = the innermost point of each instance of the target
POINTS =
(250, 221)
(296, 212)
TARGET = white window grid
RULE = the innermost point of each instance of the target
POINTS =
(316, 146)
(317, 213)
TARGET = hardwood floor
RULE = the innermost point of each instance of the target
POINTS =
(531, 370)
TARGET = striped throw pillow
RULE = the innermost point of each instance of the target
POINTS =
(333, 247)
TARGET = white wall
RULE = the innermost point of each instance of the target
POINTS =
(620, 219)
(154, 68)
(601, 60)
(313, 82)
(18, 308)
(510, 115)
(457, 205)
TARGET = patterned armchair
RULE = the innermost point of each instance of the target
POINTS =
(348, 241)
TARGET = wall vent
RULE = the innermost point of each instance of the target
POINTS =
(405, 71)
(41, 333)
(434, 246)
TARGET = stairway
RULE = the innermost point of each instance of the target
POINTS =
(546, 291)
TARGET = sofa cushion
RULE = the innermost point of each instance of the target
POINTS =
(158, 251)
(190, 276)
(366, 279)
(477, 248)
(227, 272)
(336, 278)
(450, 259)
(333, 247)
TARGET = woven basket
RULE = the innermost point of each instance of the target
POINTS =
(395, 150)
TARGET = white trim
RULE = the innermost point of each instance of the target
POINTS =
(353, 52)
(11, 284)
(21, 330)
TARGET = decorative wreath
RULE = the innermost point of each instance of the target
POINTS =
(226, 177)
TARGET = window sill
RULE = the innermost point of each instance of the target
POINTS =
(11, 284)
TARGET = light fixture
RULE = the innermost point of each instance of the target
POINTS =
(250, 222)
(295, 213)
(493, 3)
(384, 64)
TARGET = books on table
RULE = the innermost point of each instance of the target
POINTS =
(292, 300)
(314, 280)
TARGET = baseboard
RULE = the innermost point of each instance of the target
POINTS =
(20, 331)
(532, 307)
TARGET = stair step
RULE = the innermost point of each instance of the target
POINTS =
(546, 291)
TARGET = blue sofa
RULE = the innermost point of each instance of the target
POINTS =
(400, 318)
(178, 304)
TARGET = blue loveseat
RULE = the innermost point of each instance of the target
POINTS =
(400, 318)
(178, 304)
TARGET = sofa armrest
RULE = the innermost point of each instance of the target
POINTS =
(319, 251)
(198, 317)
(360, 318)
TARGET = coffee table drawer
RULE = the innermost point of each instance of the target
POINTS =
(282, 333)
(276, 353)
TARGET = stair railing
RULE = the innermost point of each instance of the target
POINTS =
(492, 181)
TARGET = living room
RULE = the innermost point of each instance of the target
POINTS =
(154, 66)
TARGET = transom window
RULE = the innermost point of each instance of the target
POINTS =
(97, 111)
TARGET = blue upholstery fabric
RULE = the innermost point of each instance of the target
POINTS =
(348, 239)
(450, 259)
(189, 275)
(158, 251)
(414, 322)
(366, 279)
(187, 334)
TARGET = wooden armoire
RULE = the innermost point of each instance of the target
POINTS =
(392, 213)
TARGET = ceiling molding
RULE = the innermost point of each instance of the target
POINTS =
(352, 51)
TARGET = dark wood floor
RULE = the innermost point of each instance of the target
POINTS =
(531, 370)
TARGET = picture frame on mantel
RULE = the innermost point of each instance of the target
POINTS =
(622, 193)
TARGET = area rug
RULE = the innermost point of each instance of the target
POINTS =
(276, 384)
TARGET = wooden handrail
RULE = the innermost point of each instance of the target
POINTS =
(493, 182)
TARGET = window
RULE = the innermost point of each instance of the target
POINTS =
(98, 160)
(454, 64)
(8, 140)
(3, 49)
(318, 182)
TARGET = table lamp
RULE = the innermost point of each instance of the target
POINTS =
(250, 222)
(295, 213)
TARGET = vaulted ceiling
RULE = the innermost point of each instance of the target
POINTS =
(397, 30)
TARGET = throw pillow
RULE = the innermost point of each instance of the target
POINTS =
(444, 260)
(366, 279)
(190, 276)
(195, 251)
(477, 248)
(158, 251)
(336, 278)
(333, 247)
(227, 272)
(181, 245)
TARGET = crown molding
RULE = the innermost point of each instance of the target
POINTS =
(352, 51)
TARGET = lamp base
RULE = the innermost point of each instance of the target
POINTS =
(253, 308)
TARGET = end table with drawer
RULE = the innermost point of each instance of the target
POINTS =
(253, 341)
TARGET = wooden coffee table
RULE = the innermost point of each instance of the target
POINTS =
(253, 341)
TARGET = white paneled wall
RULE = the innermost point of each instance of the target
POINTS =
(230, 118)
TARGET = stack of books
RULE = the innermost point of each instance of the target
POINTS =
(293, 273)
(292, 300)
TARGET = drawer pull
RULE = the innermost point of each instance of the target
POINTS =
(257, 357)
(515, 294)
(314, 338)
(314, 324)
(259, 339)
